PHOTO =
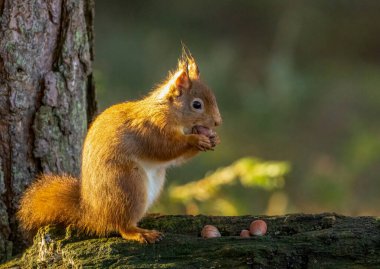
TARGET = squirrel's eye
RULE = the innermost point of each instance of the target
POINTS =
(197, 105)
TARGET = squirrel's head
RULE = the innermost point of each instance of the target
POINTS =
(192, 103)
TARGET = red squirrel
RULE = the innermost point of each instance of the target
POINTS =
(125, 154)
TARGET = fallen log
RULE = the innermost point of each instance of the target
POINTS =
(292, 241)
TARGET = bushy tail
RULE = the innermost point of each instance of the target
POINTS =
(50, 199)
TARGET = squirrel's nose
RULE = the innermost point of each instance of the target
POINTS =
(218, 122)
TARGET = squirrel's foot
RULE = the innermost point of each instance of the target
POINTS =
(201, 142)
(152, 236)
(141, 235)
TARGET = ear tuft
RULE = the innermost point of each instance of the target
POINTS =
(193, 70)
(187, 60)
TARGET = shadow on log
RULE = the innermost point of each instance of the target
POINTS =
(292, 241)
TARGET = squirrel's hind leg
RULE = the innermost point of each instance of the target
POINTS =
(141, 235)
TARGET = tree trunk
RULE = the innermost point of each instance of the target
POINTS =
(46, 97)
(292, 241)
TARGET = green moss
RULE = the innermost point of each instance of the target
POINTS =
(10, 47)
(79, 38)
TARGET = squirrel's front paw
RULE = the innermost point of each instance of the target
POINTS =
(201, 142)
(215, 140)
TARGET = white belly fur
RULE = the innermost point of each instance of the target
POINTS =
(155, 173)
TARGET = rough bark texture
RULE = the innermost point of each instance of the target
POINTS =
(46, 96)
(292, 241)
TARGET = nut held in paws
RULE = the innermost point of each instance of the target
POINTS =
(203, 130)
(210, 231)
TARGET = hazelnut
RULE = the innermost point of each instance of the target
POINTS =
(258, 227)
(210, 231)
(245, 233)
(203, 130)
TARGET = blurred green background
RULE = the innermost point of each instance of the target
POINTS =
(297, 82)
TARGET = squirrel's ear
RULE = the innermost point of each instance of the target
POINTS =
(177, 83)
(183, 80)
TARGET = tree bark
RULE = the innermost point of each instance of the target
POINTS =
(46, 97)
(292, 241)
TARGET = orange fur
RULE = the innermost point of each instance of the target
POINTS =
(125, 154)
(50, 199)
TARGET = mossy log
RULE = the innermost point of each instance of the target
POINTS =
(292, 241)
